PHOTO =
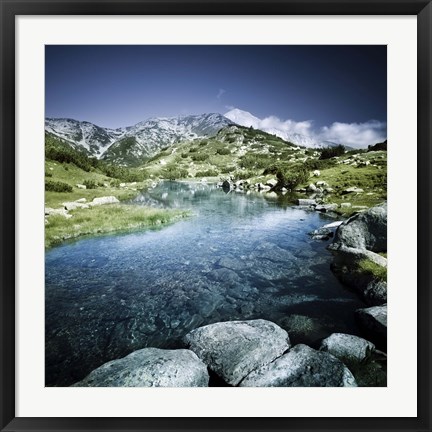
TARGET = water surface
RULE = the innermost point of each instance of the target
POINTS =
(240, 256)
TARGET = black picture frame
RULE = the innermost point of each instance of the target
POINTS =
(11, 8)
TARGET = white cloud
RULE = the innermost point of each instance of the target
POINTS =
(357, 135)
(220, 93)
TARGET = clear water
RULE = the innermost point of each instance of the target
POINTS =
(241, 256)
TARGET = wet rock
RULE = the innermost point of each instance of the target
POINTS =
(375, 292)
(349, 349)
(233, 349)
(306, 202)
(321, 234)
(374, 320)
(324, 208)
(302, 366)
(367, 230)
(150, 367)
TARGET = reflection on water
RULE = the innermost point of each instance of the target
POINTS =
(241, 256)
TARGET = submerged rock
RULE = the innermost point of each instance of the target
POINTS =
(150, 367)
(348, 348)
(233, 349)
(374, 321)
(302, 366)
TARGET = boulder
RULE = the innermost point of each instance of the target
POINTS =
(150, 367)
(81, 186)
(234, 349)
(311, 188)
(352, 189)
(59, 212)
(272, 183)
(367, 230)
(227, 185)
(348, 348)
(375, 292)
(302, 366)
(324, 208)
(374, 320)
(316, 173)
(104, 200)
(74, 205)
(81, 200)
(306, 202)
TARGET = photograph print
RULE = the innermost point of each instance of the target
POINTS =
(215, 216)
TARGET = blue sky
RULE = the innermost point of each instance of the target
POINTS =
(115, 86)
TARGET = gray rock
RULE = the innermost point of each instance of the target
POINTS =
(233, 349)
(375, 292)
(348, 348)
(272, 183)
(352, 189)
(58, 212)
(104, 200)
(74, 205)
(311, 188)
(374, 320)
(324, 208)
(150, 367)
(367, 230)
(302, 366)
(306, 202)
(351, 257)
(81, 186)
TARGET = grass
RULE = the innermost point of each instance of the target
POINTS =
(377, 271)
(106, 219)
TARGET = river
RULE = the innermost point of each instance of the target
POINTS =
(239, 256)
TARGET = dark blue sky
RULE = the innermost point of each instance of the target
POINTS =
(116, 86)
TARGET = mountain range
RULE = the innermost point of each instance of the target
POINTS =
(131, 145)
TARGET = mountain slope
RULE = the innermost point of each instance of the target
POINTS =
(85, 135)
(131, 145)
(154, 134)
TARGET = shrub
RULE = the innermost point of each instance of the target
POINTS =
(289, 175)
(56, 186)
(48, 174)
(330, 152)
(208, 173)
(90, 184)
(171, 172)
(249, 161)
(223, 151)
(199, 157)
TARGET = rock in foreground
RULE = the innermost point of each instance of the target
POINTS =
(374, 322)
(234, 349)
(150, 367)
(348, 348)
(367, 230)
(302, 366)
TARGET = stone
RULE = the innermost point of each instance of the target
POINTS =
(311, 188)
(375, 292)
(150, 367)
(302, 366)
(234, 349)
(104, 200)
(345, 205)
(81, 200)
(81, 186)
(333, 224)
(347, 348)
(58, 212)
(324, 208)
(74, 205)
(321, 183)
(352, 190)
(272, 182)
(374, 320)
(367, 230)
(306, 202)
(316, 173)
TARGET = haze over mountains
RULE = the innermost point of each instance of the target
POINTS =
(128, 145)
